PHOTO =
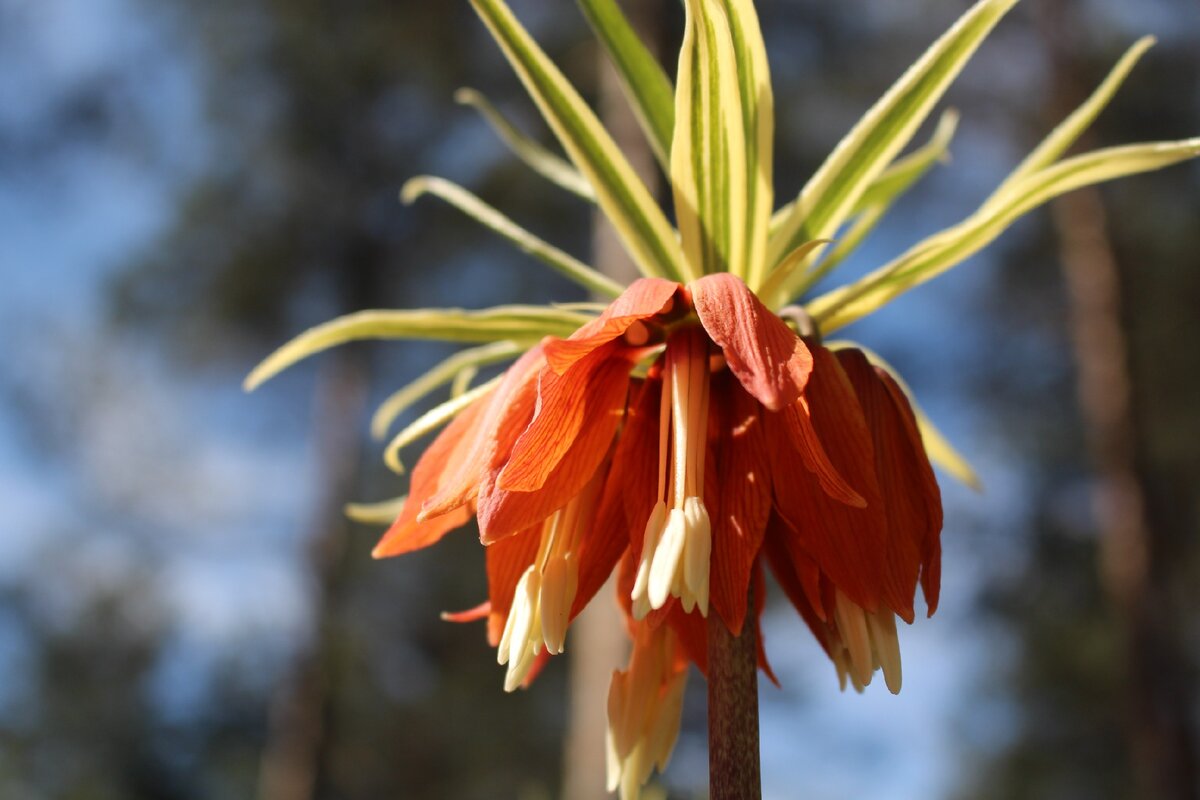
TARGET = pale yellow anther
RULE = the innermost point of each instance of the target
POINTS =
(521, 641)
(545, 594)
(677, 543)
(645, 703)
(852, 623)
(886, 646)
(861, 642)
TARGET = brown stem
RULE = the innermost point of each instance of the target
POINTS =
(733, 769)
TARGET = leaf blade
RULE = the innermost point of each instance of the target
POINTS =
(638, 220)
(522, 324)
(488, 216)
(645, 82)
(529, 151)
(827, 199)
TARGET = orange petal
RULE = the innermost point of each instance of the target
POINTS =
(923, 490)
(587, 398)
(558, 453)
(506, 413)
(764, 353)
(799, 579)
(628, 494)
(692, 630)
(742, 470)
(899, 481)
(406, 533)
(848, 544)
(760, 602)
(645, 298)
(507, 560)
(469, 615)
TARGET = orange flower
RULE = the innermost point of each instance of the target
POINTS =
(740, 440)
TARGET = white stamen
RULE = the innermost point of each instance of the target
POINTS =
(677, 549)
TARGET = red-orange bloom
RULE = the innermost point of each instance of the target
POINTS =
(739, 444)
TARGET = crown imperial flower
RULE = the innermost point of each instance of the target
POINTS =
(696, 430)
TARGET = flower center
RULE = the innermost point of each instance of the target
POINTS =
(541, 604)
(678, 539)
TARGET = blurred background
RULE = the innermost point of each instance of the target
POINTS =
(184, 611)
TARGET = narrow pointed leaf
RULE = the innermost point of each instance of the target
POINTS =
(521, 324)
(758, 122)
(431, 420)
(940, 252)
(642, 77)
(1074, 126)
(708, 153)
(828, 198)
(638, 220)
(445, 372)
(381, 513)
(534, 155)
(878, 200)
(489, 217)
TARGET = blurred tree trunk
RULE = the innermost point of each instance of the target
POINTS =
(1157, 708)
(298, 735)
(598, 642)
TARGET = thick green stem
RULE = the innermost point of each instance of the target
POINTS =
(733, 769)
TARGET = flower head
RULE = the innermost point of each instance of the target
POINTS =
(696, 430)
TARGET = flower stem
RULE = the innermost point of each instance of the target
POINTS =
(733, 769)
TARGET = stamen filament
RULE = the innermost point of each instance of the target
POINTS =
(677, 542)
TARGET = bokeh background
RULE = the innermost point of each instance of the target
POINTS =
(185, 613)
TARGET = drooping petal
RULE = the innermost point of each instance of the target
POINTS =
(767, 357)
(628, 495)
(760, 603)
(645, 298)
(407, 533)
(921, 474)
(507, 560)
(742, 471)
(506, 413)
(848, 544)
(799, 578)
(905, 476)
(571, 433)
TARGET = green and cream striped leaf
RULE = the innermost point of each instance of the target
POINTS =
(534, 155)
(625, 200)
(645, 83)
(708, 153)
(944, 250)
(525, 325)
(880, 186)
(487, 215)
(445, 372)
(431, 420)
(382, 513)
(878, 200)
(758, 133)
(827, 200)
(1074, 126)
